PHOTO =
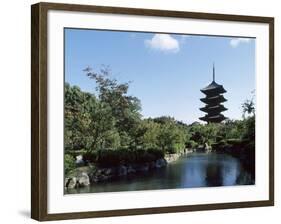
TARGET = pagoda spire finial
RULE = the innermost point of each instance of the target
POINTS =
(214, 74)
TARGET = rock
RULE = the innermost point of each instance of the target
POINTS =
(172, 157)
(144, 167)
(77, 171)
(122, 171)
(208, 148)
(108, 171)
(84, 176)
(79, 160)
(130, 170)
(94, 179)
(101, 178)
(83, 180)
(99, 172)
(141, 167)
(188, 150)
(200, 148)
(70, 182)
(78, 177)
(152, 165)
(104, 177)
(103, 174)
(160, 163)
(98, 178)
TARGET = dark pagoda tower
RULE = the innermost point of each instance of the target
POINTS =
(214, 98)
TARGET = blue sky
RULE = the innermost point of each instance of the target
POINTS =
(166, 71)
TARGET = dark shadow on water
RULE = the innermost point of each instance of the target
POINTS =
(214, 176)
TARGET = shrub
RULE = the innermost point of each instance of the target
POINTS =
(107, 158)
(90, 156)
(249, 132)
(156, 152)
(69, 163)
(191, 144)
(234, 141)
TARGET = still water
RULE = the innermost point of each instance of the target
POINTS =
(192, 170)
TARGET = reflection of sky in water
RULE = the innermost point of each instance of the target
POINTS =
(211, 170)
(230, 172)
(194, 174)
(194, 170)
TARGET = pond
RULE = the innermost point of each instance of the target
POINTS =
(192, 170)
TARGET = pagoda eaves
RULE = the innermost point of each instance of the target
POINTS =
(213, 99)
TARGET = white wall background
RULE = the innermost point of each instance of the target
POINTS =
(15, 111)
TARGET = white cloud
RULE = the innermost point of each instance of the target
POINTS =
(236, 41)
(163, 42)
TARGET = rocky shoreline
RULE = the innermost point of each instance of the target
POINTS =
(175, 156)
(84, 176)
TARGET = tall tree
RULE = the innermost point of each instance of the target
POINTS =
(125, 108)
(89, 123)
(248, 107)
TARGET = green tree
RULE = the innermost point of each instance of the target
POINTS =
(151, 131)
(171, 138)
(77, 105)
(101, 127)
(248, 107)
(89, 123)
(125, 108)
(69, 163)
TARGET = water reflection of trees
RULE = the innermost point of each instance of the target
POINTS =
(245, 177)
(230, 173)
(214, 174)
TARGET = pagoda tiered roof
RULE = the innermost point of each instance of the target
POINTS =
(217, 108)
(213, 100)
(213, 119)
(213, 88)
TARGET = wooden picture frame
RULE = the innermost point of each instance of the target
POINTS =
(39, 110)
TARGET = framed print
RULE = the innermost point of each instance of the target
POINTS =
(139, 111)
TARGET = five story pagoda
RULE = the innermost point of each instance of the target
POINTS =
(214, 98)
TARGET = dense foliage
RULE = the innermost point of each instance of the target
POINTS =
(107, 127)
(69, 163)
(123, 156)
